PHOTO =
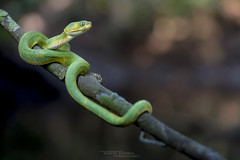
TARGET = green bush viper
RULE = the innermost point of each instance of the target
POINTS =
(57, 49)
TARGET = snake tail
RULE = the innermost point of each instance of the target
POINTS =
(128, 118)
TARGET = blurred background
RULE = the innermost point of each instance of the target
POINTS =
(183, 56)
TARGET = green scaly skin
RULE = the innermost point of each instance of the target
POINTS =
(56, 49)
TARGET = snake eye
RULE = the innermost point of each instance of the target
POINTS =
(82, 23)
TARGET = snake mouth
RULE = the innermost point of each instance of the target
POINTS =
(77, 28)
(87, 26)
(84, 26)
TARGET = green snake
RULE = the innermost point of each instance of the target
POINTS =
(57, 49)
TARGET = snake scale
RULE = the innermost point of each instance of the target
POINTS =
(57, 49)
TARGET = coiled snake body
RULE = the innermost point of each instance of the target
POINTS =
(57, 49)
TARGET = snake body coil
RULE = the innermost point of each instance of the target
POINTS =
(56, 49)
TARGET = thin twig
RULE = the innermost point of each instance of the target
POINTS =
(91, 87)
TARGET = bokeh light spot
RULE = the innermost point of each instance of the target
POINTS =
(229, 114)
(33, 21)
(58, 5)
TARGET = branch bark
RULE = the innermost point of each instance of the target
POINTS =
(90, 86)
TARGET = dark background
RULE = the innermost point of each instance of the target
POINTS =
(183, 56)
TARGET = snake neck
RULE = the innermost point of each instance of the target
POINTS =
(58, 41)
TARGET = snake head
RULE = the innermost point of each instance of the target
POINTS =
(76, 28)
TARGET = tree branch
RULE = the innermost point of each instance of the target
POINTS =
(90, 86)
